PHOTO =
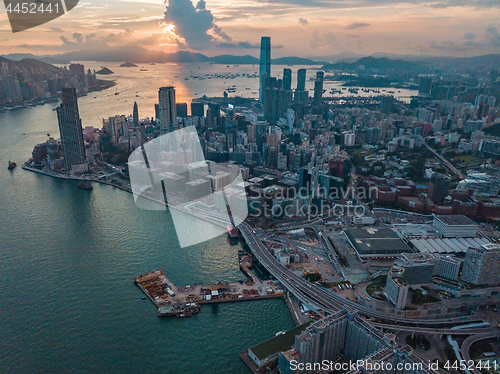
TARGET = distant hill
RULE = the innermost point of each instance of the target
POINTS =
(135, 55)
(139, 55)
(29, 63)
(296, 61)
(371, 63)
(230, 59)
(104, 71)
(488, 62)
(47, 59)
(128, 64)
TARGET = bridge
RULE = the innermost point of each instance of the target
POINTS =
(445, 162)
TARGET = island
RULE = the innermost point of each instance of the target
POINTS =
(104, 71)
(128, 64)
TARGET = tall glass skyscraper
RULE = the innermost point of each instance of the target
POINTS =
(265, 65)
(70, 128)
(136, 115)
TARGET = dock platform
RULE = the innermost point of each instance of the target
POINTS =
(174, 301)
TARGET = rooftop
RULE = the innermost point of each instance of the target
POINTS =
(451, 245)
(455, 220)
(278, 343)
(376, 242)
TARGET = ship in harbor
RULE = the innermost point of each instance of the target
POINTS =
(12, 165)
(85, 186)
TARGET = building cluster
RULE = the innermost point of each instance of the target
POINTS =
(31, 82)
(342, 339)
(476, 196)
(445, 272)
(447, 255)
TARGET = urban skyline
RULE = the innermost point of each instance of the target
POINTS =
(362, 197)
(319, 28)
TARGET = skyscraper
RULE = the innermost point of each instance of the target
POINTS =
(197, 109)
(182, 109)
(301, 79)
(287, 79)
(70, 128)
(481, 265)
(386, 102)
(136, 115)
(301, 95)
(265, 65)
(318, 88)
(438, 188)
(167, 108)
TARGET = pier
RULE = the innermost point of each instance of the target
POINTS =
(173, 301)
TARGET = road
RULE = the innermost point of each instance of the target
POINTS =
(446, 163)
(323, 299)
(465, 348)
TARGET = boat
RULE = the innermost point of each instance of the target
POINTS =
(12, 165)
(143, 69)
(85, 186)
(117, 93)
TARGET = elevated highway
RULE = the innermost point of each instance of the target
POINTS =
(323, 299)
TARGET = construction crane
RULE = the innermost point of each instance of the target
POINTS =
(287, 237)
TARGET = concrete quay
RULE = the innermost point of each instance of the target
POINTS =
(172, 300)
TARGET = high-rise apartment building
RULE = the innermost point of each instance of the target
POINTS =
(438, 188)
(481, 266)
(318, 88)
(167, 110)
(70, 128)
(287, 79)
(301, 80)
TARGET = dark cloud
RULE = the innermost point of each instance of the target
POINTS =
(218, 31)
(66, 41)
(78, 37)
(303, 21)
(239, 45)
(357, 25)
(191, 23)
(123, 37)
(438, 5)
(466, 3)
(245, 45)
(469, 36)
(493, 36)
(196, 29)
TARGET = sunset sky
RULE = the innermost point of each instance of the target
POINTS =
(297, 27)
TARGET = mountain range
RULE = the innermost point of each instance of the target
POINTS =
(343, 61)
(141, 55)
